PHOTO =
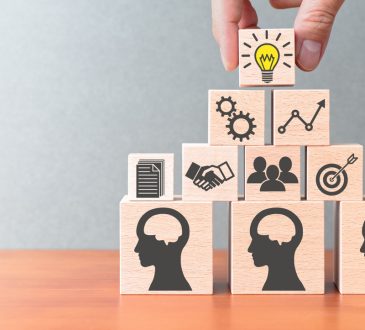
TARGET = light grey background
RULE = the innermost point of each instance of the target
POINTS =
(84, 83)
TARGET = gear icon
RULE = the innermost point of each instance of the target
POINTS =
(222, 101)
(238, 119)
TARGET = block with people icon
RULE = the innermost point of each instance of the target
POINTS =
(277, 247)
(166, 247)
(272, 173)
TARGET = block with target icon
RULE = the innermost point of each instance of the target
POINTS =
(301, 117)
(236, 117)
(334, 172)
(266, 57)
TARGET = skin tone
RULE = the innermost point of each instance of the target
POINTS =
(312, 26)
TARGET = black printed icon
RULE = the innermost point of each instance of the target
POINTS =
(296, 114)
(332, 179)
(165, 257)
(272, 178)
(211, 176)
(280, 258)
(150, 178)
(240, 125)
(362, 249)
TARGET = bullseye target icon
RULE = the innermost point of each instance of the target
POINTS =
(332, 179)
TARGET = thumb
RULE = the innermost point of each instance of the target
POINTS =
(313, 27)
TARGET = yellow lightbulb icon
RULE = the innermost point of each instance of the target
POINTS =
(267, 56)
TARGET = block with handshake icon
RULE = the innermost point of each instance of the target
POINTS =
(210, 172)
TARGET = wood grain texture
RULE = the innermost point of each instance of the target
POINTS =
(249, 71)
(54, 290)
(251, 103)
(306, 102)
(246, 278)
(319, 156)
(350, 270)
(205, 155)
(272, 155)
(196, 256)
(168, 175)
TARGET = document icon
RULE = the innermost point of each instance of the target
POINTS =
(150, 178)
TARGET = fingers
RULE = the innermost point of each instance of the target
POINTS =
(313, 26)
(227, 17)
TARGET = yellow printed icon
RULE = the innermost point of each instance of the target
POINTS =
(267, 57)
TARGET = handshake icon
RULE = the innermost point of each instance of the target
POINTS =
(209, 177)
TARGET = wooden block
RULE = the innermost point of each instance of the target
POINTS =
(301, 117)
(287, 237)
(272, 173)
(350, 247)
(166, 247)
(236, 117)
(151, 176)
(266, 57)
(209, 172)
(334, 172)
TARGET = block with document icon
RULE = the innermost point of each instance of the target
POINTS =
(151, 176)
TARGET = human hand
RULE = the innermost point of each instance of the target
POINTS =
(312, 27)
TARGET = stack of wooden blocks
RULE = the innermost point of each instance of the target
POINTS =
(276, 235)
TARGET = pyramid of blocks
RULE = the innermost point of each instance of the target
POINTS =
(276, 242)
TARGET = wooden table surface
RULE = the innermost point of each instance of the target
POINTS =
(79, 290)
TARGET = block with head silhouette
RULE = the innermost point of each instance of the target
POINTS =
(266, 57)
(301, 117)
(277, 247)
(165, 247)
(350, 247)
(272, 173)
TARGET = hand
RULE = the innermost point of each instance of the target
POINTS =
(312, 27)
(208, 177)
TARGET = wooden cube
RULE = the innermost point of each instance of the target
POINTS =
(166, 247)
(301, 117)
(334, 172)
(285, 237)
(236, 117)
(350, 247)
(151, 176)
(266, 57)
(209, 172)
(272, 173)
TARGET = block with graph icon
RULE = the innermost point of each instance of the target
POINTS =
(272, 173)
(166, 247)
(266, 57)
(350, 247)
(334, 172)
(209, 172)
(301, 117)
(277, 247)
(236, 117)
(151, 176)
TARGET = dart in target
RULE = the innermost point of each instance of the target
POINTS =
(332, 179)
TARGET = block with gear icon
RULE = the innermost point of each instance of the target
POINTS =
(236, 117)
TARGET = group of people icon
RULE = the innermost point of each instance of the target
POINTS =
(272, 177)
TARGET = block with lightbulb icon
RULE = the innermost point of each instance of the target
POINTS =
(266, 57)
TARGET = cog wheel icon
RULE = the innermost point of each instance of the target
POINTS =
(239, 121)
(220, 107)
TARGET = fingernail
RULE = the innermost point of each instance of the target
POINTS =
(310, 54)
(224, 61)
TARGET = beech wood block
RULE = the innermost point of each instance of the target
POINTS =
(266, 57)
(166, 247)
(209, 172)
(272, 173)
(236, 117)
(350, 247)
(151, 176)
(277, 247)
(334, 172)
(301, 117)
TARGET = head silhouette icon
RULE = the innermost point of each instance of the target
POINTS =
(272, 183)
(278, 257)
(166, 257)
(362, 249)
(259, 164)
(286, 176)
